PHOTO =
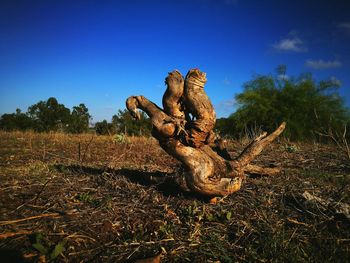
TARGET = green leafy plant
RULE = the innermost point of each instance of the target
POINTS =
(166, 230)
(87, 198)
(121, 138)
(50, 250)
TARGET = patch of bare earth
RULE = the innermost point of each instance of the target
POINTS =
(73, 198)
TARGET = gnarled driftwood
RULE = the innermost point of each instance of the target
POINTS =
(184, 129)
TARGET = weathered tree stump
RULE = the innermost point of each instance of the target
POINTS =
(184, 129)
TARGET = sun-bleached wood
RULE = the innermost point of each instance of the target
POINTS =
(184, 129)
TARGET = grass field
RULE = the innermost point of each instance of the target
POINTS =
(73, 198)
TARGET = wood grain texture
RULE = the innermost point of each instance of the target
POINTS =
(184, 129)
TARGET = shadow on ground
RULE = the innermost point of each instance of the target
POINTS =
(165, 183)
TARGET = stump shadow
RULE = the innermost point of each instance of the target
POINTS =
(161, 181)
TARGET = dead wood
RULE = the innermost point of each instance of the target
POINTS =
(327, 204)
(184, 130)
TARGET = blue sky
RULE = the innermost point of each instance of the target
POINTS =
(101, 52)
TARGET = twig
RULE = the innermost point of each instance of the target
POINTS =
(12, 234)
(342, 143)
(53, 154)
(257, 145)
(9, 222)
(41, 190)
(86, 148)
(145, 243)
(345, 142)
(297, 222)
(116, 159)
(79, 152)
(75, 235)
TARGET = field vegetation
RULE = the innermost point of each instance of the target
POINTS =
(73, 198)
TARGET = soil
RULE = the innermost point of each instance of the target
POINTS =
(88, 198)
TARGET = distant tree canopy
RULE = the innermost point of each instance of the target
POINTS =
(47, 116)
(125, 123)
(122, 122)
(104, 128)
(79, 119)
(16, 121)
(306, 106)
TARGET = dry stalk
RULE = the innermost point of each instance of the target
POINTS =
(12, 234)
(9, 222)
(340, 141)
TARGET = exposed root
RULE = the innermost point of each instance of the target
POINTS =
(185, 131)
(172, 99)
(263, 171)
(258, 144)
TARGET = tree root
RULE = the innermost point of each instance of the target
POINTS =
(184, 130)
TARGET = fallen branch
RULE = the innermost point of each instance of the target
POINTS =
(328, 204)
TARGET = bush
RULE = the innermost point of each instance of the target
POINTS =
(306, 106)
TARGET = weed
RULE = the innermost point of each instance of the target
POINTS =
(38, 169)
(166, 230)
(87, 198)
(121, 138)
(215, 248)
(47, 248)
(292, 148)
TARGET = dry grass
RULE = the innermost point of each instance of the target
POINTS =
(97, 198)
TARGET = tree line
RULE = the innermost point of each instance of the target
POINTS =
(50, 115)
(310, 108)
(123, 123)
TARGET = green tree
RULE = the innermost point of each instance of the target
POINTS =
(79, 119)
(49, 115)
(124, 123)
(16, 121)
(306, 106)
(104, 128)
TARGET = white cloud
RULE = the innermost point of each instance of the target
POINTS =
(291, 44)
(321, 64)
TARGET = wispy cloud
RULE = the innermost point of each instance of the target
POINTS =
(290, 44)
(344, 28)
(109, 108)
(226, 82)
(321, 64)
(227, 105)
(345, 25)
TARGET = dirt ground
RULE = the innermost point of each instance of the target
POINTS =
(88, 198)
